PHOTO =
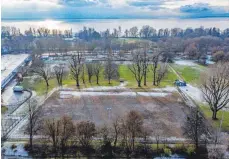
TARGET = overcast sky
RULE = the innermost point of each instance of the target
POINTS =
(67, 9)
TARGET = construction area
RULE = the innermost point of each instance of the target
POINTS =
(163, 111)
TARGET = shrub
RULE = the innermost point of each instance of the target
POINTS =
(179, 148)
(167, 152)
(190, 150)
(13, 146)
(26, 147)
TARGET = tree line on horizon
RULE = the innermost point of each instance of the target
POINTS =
(193, 43)
(90, 33)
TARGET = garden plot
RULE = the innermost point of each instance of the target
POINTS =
(161, 110)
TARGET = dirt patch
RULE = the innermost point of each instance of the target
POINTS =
(165, 111)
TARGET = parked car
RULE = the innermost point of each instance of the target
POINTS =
(18, 89)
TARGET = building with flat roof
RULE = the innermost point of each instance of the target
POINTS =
(9, 66)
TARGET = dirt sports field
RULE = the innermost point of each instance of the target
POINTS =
(161, 110)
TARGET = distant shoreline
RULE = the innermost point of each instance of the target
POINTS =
(111, 23)
(41, 19)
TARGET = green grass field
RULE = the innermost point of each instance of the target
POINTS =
(127, 75)
(191, 74)
(39, 85)
(216, 123)
(3, 109)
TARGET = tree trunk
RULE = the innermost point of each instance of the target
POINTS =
(31, 141)
(214, 115)
(115, 142)
(77, 82)
(61, 81)
(47, 82)
(83, 78)
(144, 78)
(197, 144)
(89, 77)
(62, 150)
(154, 77)
(133, 143)
(97, 79)
(109, 80)
(139, 83)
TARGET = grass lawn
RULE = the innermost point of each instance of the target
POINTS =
(39, 85)
(3, 109)
(70, 82)
(127, 75)
(190, 74)
(216, 123)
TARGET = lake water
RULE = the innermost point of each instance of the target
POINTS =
(103, 24)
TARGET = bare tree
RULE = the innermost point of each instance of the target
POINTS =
(85, 131)
(157, 131)
(59, 132)
(217, 152)
(161, 72)
(67, 132)
(116, 128)
(111, 69)
(51, 129)
(34, 122)
(134, 126)
(76, 65)
(195, 127)
(219, 148)
(59, 71)
(105, 133)
(43, 70)
(155, 60)
(215, 87)
(145, 62)
(83, 73)
(145, 135)
(97, 69)
(90, 71)
(134, 31)
(137, 67)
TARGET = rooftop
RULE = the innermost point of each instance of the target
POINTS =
(10, 62)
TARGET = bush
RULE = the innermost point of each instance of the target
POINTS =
(106, 150)
(167, 152)
(142, 150)
(26, 147)
(13, 146)
(179, 148)
(190, 150)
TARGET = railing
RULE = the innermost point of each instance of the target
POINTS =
(19, 103)
(9, 118)
(7, 130)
